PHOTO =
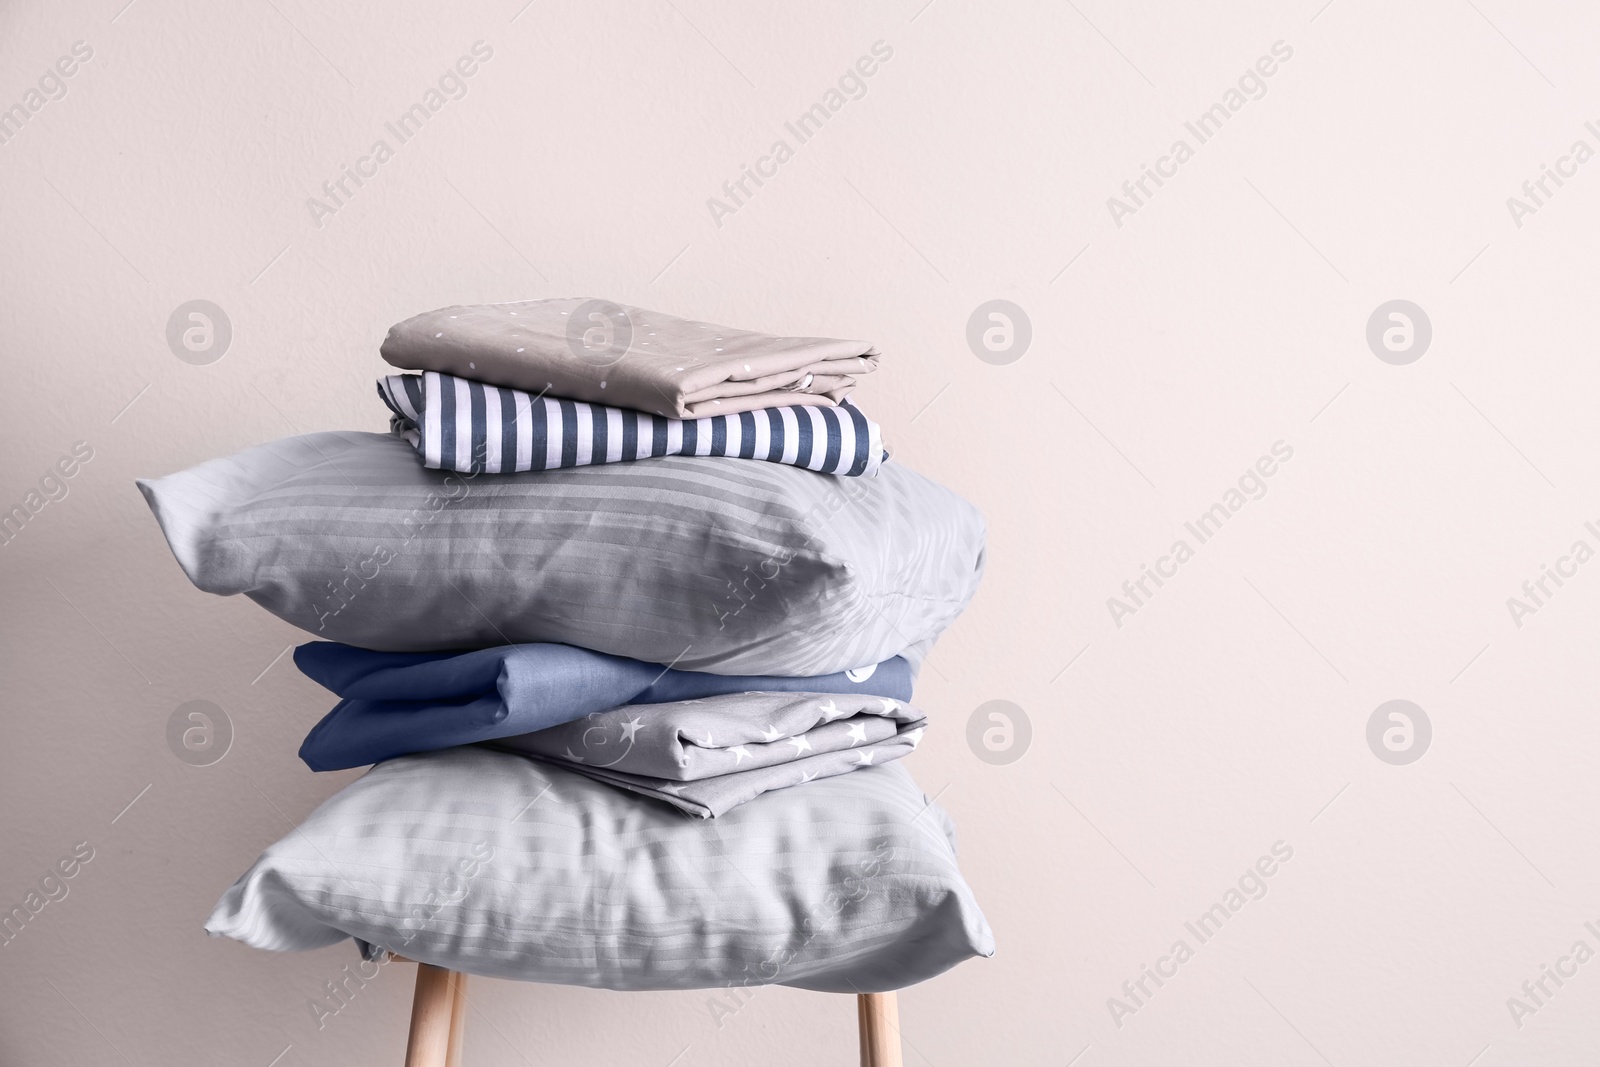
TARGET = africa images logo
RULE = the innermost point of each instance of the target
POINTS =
(1251, 85)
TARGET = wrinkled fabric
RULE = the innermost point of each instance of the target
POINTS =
(397, 703)
(456, 424)
(699, 563)
(493, 864)
(709, 756)
(596, 350)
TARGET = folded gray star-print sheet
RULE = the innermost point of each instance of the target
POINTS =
(707, 756)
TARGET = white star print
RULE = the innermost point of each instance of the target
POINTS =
(801, 744)
(629, 728)
(830, 711)
(740, 754)
(858, 734)
(890, 707)
(807, 776)
(864, 759)
(771, 733)
(707, 742)
(914, 736)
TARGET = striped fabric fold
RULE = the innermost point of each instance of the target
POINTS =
(463, 425)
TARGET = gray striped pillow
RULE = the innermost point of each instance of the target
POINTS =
(492, 864)
(707, 564)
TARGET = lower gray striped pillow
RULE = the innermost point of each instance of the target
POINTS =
(707, 564)
(492, 864)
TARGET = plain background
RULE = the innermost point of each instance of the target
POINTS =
(1168, 354)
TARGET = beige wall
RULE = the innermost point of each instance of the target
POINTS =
(1226, 313)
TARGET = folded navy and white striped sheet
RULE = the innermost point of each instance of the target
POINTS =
(462, 425)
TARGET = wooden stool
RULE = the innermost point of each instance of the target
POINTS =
(439, 1020)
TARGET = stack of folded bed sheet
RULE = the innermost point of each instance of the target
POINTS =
(627, 610)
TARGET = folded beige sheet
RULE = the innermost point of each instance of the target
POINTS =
(595, 350)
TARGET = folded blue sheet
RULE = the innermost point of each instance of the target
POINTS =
(397, 703)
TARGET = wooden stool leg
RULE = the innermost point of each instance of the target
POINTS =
(879, 1018)
(458, 1019)
(430, 1018)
